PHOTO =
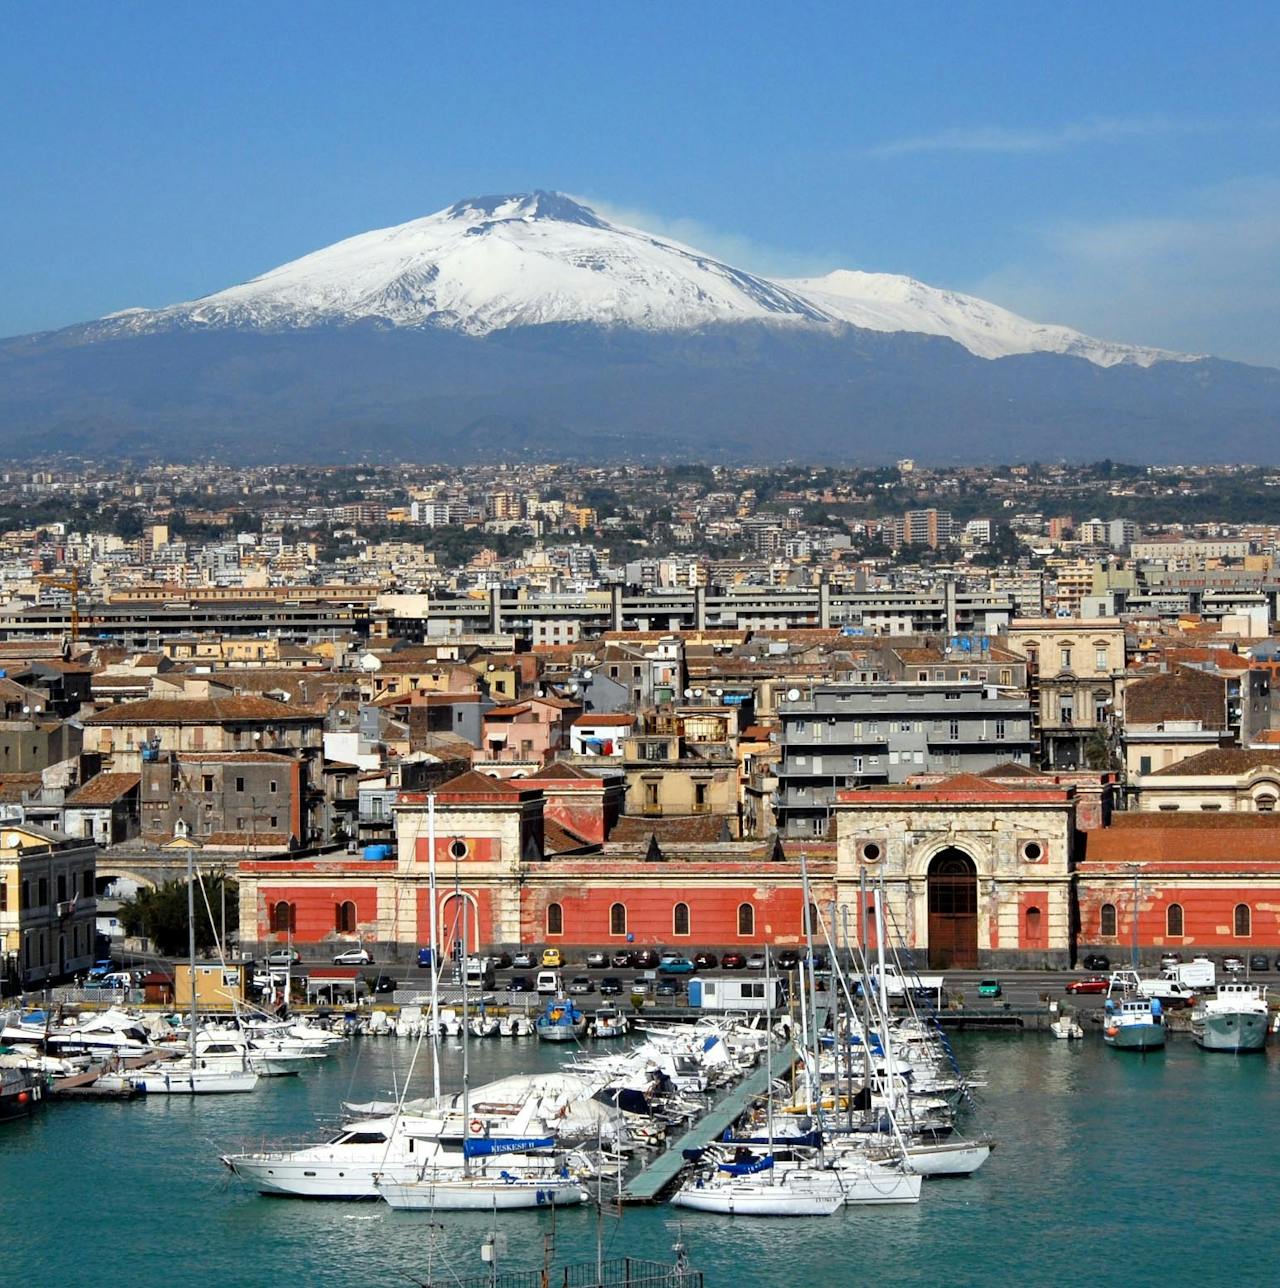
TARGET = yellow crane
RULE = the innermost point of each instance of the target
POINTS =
(71, 585)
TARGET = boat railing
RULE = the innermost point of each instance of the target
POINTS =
(615, 1272)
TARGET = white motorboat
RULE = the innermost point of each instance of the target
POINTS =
(1068, 1028)
(608, 1022)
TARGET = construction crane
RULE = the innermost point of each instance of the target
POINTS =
(72, 586)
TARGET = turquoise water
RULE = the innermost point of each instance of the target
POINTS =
(1112, 1168)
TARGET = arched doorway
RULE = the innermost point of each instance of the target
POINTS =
(953, 911)
(450, 912)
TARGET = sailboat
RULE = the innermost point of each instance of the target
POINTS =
(523, 1174)
(198, 1073)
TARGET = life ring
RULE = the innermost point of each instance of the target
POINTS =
(477, 1127)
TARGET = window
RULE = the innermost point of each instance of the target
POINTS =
(651, 795)
(1032, 851)
(4, 896)
(344, 918)
(555, 919)
(1107, 920)
(1066, 709)
(1032, 930)
(42, 900)
(700, 796)
(62, 887)
(274, 820)
(618, 919)
(1006, 677)
(1144, 764)
(1099, 658)
(1243, 921)
(1064, 658)
(86, 883)
(680, 919)
(26, 896)
(206, 782)
(953, 730)
(746, 919)
(239, 784)
(1000, 731)
(1173, 921)
(284, 917)
(1265, 804)
(271, 787)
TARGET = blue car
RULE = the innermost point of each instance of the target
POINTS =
(675, 964)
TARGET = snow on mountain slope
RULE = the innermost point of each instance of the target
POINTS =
(886, 302)
(532, 259)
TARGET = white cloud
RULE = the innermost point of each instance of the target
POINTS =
(1013, 141)
(1204, 279)
(732, 248)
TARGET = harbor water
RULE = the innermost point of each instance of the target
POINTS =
(1112, 1168)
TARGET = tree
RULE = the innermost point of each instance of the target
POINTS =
(160, 915)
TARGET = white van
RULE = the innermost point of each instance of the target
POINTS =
(548, 982)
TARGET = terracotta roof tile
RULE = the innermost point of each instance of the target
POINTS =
(104, 789)
(1221, 762)
(166, 711)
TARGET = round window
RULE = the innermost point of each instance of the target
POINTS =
(458, 849)
(871, 852)
(1032, 851)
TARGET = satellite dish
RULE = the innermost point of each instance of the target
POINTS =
(697, 693)
(688, 693)
(719, 693)
(586, 675)
(793, 695)
(370, 662)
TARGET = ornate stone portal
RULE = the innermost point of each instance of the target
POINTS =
(976, 872)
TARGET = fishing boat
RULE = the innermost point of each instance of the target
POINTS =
(608, 1022)
(1134, 1024)
(560, 1021)
(21, 1093)
(1235, 1020)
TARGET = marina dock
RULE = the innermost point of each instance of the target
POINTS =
(654, 1179)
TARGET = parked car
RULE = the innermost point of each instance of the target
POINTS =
(424, 958)
(676, 964)
(524, 960)
(1168, 961)
(755, 961)
(548, 982)
(610, 986)
(353, 957)
(520, 984)
(641, 985)
(383, 984)
(733, 961)
(283, 957)
(787, 959)
(1094, 984)
(582, 984)
(623, 959)
(706, 961)
(670, 988)
(597, 960)
(1259, 961)
(552, 958)
(645, 959)
(501, 961)
(1096, 961)
(990, 988)
(1233, 964)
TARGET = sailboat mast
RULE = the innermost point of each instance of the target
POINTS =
(431, 940)
(768, 1049)
(884, 998)
(191, 951)
(466, 1031)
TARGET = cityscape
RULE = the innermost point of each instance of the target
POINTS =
(573, 726)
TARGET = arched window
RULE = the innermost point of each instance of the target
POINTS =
(1173, 921)
(618, 919)
(1107, 920)
(284, 917)
(1033, 924)
(746, 919)
(344, 918)
(1265, 804)
(555, 919)
(680, 919)
(1243, 921)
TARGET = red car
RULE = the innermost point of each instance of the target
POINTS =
(1094, 984)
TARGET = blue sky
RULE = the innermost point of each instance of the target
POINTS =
(1113, 167)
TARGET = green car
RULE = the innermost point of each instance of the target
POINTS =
(989, 988)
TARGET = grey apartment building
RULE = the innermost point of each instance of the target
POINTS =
(870, 734)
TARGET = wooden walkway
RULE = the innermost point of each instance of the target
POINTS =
(651, 1182)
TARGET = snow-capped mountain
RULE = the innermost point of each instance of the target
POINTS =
(493, 263)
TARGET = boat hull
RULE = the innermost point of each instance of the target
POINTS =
(560, 1032)
(315, 1179)
(1134, 1037)
(1235, 1032)
(483, 1195)
(760, 1199)
(194, 1082)
(961, 1158)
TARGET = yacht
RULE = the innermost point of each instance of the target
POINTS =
(1235, 1020)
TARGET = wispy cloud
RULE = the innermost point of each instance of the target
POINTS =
(1202, 278)
(1012, 141)
(732, 248)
